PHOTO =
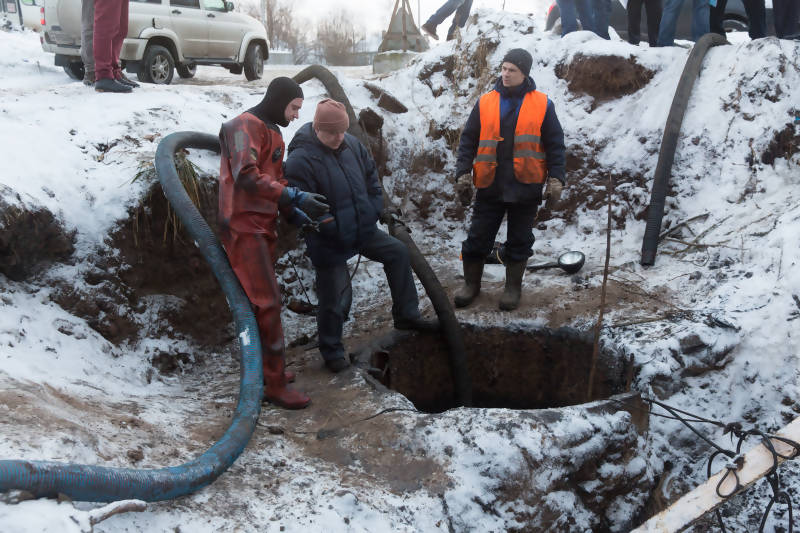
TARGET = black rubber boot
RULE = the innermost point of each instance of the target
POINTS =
(473, 271)
(514, 272)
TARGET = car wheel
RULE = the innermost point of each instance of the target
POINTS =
(253, 62)
(186, 70)
(157, 65)
(74, 70)
(734, 24)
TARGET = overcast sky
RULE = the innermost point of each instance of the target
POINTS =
(373, 15)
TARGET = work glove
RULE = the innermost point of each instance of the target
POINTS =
(552, 193)
(388, 214)
(463, 188)
(392, 215)
(312, 204)
(298, 218)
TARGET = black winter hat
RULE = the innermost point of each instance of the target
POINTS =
(280, 92)
(521, 58)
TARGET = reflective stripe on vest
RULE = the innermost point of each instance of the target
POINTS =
(530, 165)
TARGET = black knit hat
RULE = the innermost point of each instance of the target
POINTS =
(280, 92)
(521, 58)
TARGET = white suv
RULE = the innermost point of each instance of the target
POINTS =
(163, 36)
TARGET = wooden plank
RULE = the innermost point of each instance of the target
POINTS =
(704, 499)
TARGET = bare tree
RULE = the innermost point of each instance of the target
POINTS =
(290, 32)
(336, 38)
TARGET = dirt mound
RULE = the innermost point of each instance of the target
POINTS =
(152, 281)
(603, 77)
(784, 144)
(30, 236)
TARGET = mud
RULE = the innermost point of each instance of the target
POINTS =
(31, 237)
(784, 144)
(604, 77)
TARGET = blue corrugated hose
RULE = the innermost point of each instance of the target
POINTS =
(104, 484)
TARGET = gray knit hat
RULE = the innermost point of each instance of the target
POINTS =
(521, 58)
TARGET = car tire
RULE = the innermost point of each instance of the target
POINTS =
(187, 70)
(157, 65)
(74, 70)
(253, 62)
(734, 24)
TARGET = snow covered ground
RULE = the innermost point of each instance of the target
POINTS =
(722, 342)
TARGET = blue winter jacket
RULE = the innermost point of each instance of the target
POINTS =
(505, 187)
(349, 180)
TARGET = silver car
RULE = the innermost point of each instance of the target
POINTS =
(164, 36)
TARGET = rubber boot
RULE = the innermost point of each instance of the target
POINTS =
(473, 271)
(510, 299)
(275, 389)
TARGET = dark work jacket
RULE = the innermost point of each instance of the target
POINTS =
(505, 187)
(349, 180)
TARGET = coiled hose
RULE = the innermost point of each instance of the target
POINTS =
(105, 484)
(669, 143)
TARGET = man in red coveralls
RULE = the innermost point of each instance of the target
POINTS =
(251, 192)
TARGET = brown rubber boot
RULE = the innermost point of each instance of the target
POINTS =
(473, 271)
(514, 272)
(275, 389)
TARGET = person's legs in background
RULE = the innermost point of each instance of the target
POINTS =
(700, 19)
(756, 18)
(459, 19)
(87, 35)
(653, 8)
(122, 32)
(106, 26)
(438, 17)
(786, 13)
(600, 17)
(669, 19)
(634, 12)
(569, 17)
(586, 14)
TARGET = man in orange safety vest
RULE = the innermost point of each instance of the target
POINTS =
(512, 151)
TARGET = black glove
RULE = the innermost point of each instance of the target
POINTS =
(463, 188)
(312, 204)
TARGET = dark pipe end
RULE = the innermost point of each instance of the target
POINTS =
(648, 258)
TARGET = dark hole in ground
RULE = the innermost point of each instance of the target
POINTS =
(515, 369)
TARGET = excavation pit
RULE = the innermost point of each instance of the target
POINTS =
(509, 368)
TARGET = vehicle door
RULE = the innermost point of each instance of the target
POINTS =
(189, 22)
(225, 30)
(144, 14)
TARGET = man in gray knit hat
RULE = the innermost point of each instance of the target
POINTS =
(512, 151)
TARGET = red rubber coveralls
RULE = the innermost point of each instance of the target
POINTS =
(251, 181)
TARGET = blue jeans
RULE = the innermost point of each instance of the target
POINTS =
(335, 294)
(461, 7)
(669, 19)
(602, 13)
(569, 21)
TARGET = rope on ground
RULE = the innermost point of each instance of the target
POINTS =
(736, 461)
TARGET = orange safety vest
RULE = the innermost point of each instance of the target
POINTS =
(530, 165)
